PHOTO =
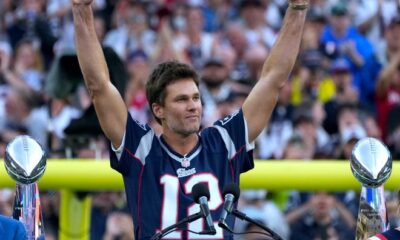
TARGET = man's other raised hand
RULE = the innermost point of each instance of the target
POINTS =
(81, 2)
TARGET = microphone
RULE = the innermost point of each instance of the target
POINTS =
(231, 193)
(201, 195)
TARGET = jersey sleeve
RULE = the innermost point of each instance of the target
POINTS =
(233, 130)
(135, 147)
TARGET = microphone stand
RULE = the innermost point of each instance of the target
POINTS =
(179, 224)
(244, 217)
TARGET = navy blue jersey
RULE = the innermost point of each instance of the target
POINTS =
(158, 181)
(392, 234)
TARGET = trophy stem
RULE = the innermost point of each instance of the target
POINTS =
(372, 215)
(376, 198)
(27, 210)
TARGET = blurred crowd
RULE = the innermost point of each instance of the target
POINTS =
(344, 87)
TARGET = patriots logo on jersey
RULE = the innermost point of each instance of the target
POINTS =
(182, 172)
(228, 118)
(142, 125)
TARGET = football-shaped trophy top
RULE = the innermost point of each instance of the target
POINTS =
(371, 162)
(25, 159)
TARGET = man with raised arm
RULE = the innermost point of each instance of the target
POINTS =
(160, 171)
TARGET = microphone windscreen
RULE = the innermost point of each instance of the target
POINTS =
(232, 189)
(200, 190)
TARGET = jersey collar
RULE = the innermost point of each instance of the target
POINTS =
(177, 156)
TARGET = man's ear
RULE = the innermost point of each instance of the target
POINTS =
(158, 110)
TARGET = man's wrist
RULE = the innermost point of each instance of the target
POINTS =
(298, 5)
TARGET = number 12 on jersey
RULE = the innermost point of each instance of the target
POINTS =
(170, 204)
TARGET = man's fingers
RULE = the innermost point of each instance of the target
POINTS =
(84, 2)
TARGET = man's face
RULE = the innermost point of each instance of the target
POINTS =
(342, 79)
(340, 23)
(214, 75)
(348, 148)
(195, 19)
(236, 38)
(182, 108)
(315, 77)
(322, 203)
(392, 35)
(253, 15)
(348, 118)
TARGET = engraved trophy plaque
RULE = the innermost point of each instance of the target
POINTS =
(371, 164)
(25, 162)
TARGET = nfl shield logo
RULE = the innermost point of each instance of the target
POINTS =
(185, 163)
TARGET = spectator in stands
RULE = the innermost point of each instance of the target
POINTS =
(235, 38)
(367, 18)
(345, 92)
(199, 44)
(217, 87)
(6, 75)
(226, 53)
(341, 40)
(370, 125)
(60, 114)
(315, 110)
(31, 23)
(393, 127)
(257, 30)
(255, 205)
(391, 45)
(370, 17)
(304, 125)
(138, 67)
(7, 12)
(215, 15)
(171, 38)
(104, 203)
(311, 82)
(11, 71)
(316, 21)
(321, 217)
(294, 149)
(134, 34)
(388, 85)
(119, 226)
(350, 129)
(21, 117)
(28, 65)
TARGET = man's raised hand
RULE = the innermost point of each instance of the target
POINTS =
(82, 2)
(299, 1)
(298, 4)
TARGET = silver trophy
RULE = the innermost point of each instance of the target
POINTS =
(25, 162)
(371, 164)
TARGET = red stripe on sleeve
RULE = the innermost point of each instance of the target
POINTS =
(380, 236)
